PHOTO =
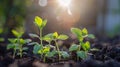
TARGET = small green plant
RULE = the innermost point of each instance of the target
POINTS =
(83, 47)
(17, 44)
(40, 24)
(44, 51)
(59, 37)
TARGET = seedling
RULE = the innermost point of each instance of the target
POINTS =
(59, 37)
(17, 44)
(40, 24)
(83, 47)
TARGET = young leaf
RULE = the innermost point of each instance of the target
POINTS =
(22, 41)
(86, 46)
(33, 35)
(73, 47)
(62, 37)
(48, 37)
(27, 40)
(15, 33)
(9, 46)
(55, 35)
(44, 23)
(25, 48)
(37, 48)
(34, 43)
(82, 54)
(76, 31)
(64, 54)
(84, 31)
(46, 49)
(38, 21)
(91, 36)
(12, 40)
(51, 54)
(94, 49)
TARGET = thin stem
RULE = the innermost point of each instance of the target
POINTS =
(20, 51)
(41, 37)
(14, 53)
(79, 46)
(44, 59)
(58, 49)
(41, 41)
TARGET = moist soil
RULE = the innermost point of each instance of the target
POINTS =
(108, 55)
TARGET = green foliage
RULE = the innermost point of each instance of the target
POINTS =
(17, 44)
(82, 54)
(83, 47)
(37, 48)
(86, 46)
(40, 23)
(64, 54)
(33, 35)
(73, 47)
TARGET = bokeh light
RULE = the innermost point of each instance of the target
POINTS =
(64, 3)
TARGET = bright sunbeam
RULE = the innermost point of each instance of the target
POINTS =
(64, 3)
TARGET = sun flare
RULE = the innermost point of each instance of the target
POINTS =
(64, 3)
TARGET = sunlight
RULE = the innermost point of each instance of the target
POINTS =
(64, 3)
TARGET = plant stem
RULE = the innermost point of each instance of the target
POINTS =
(41, 37)
(14, 53)
(79, 50)
(44, 59)
(20, 51)
(58, 49)
(41, 41)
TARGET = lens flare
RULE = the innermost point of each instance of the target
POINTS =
(64, 3)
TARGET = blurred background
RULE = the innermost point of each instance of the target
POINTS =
(100, 17)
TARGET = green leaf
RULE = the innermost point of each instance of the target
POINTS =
(16, 33)
(38, 21)
(25, 48)
(34, 43)
(37, 48)
(64, 54)
(12, 40)
(76, 31)
(48, 37)
(44, 23)
(46, 49)
(84, 31)
(82, 54)
(55, 35)
(34, 35)
(10, 46)
(51, 54)
(91, 36)
(94, 49)
(22, 41)
(80, 39)
(73, 47)
(86, 46)
(62, 37)
(27, 40)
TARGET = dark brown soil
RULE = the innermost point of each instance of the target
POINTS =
(107, 56)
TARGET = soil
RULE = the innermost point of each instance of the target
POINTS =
(108, 55)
